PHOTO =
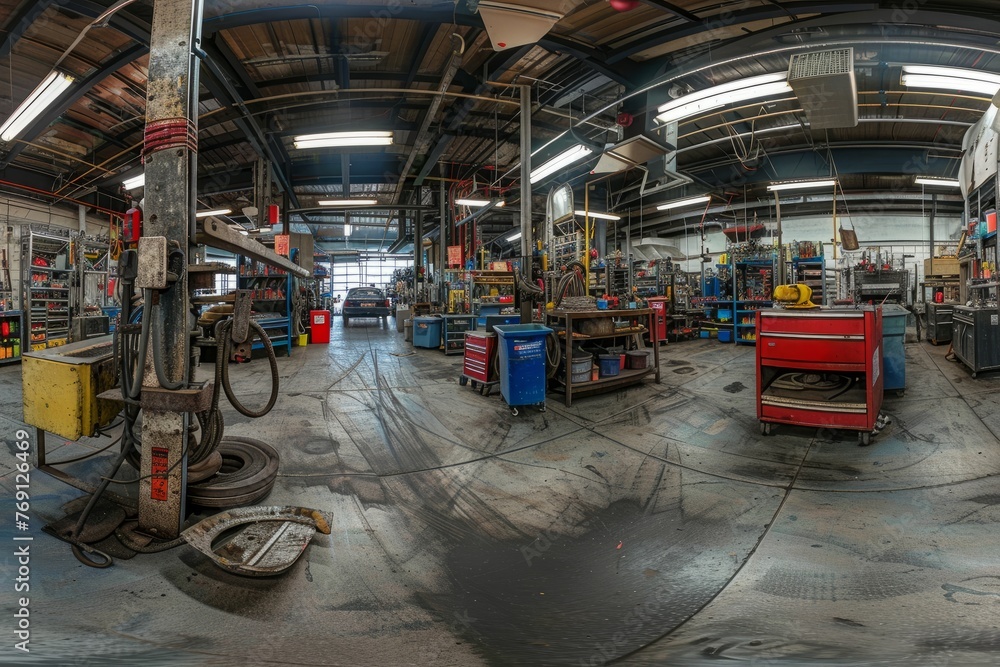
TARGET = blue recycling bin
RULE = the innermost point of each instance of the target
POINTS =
(427, 332)
(893, 354)
(522, 363)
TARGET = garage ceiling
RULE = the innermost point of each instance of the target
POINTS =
(427, 69)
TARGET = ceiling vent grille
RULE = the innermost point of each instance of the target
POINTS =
(826, 88)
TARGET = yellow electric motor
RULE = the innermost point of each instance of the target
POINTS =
(794, 296)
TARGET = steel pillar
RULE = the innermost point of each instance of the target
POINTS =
(169, 212)
(527, 241)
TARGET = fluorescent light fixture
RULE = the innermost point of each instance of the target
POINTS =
(134, 182)
(40, 99)
(480, 202)
(741, 90)
(266, 230)
(950, 78)
(347, 230)
(218, 211)
(338, 139)
(514, 237)
(348, 202)
(942, 182)
(599, 216)
(244, 232)
(690, 201)
(564, 159)
(796, 185)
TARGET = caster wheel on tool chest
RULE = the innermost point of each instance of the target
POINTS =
(513, 412)
(765, 428)
(864, 439)
(463, 381)
(541, 408)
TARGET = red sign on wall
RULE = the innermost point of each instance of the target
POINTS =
(455, 256)
(281, 244)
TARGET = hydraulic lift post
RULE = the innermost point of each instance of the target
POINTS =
(170, 156)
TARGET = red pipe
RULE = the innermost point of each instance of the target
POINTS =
(55, 196)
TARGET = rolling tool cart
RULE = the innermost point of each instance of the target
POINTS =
(522, 364)
(479, 363)
(821, 368)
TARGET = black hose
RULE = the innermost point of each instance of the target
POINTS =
(79, 547)
(553, 354)
(152, 548)
(223, 344)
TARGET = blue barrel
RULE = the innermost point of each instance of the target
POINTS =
(893, 354)
(522, 363)
(427, 332)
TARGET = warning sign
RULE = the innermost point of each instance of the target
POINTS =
(455, 256)
(281, 244)
(158, 474)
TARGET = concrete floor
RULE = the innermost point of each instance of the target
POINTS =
(652, 526)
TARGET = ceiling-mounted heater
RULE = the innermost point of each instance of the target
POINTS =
(825, 85)
(510, 25)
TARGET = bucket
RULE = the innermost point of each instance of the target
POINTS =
(610, 364)
(637, 359)
(725, 336)
(580, 367)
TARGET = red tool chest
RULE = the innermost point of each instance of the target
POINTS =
(480, 348)
(659, 305)
(820, 368)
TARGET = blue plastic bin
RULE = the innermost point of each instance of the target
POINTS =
(893, 354)
(522, 363)
(427, 332)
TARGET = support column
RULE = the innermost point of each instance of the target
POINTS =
(527, 241)
(169, 212)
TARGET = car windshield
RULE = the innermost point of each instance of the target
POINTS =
(365, 294)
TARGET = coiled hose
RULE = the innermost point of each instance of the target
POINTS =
(223, 345)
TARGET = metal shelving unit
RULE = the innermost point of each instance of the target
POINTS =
(47, 281)
(753, 284)
(271, 291)
(10, 336)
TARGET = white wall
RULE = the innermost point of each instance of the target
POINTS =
(897, 234)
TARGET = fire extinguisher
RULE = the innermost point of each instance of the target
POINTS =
(132, 227)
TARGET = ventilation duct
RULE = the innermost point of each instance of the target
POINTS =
(825, 85)
(512, 25)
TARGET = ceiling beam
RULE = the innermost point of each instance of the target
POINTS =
(594, 58)
(441, 11)
(673, 9)
(423, 140)
(40, 124)
(499, 65)
(20, 22)
(732, 19)
(224, 68)
(122, 20)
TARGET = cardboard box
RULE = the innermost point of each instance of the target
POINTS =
(942, 266)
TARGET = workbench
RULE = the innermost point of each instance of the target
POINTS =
(568, 324)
